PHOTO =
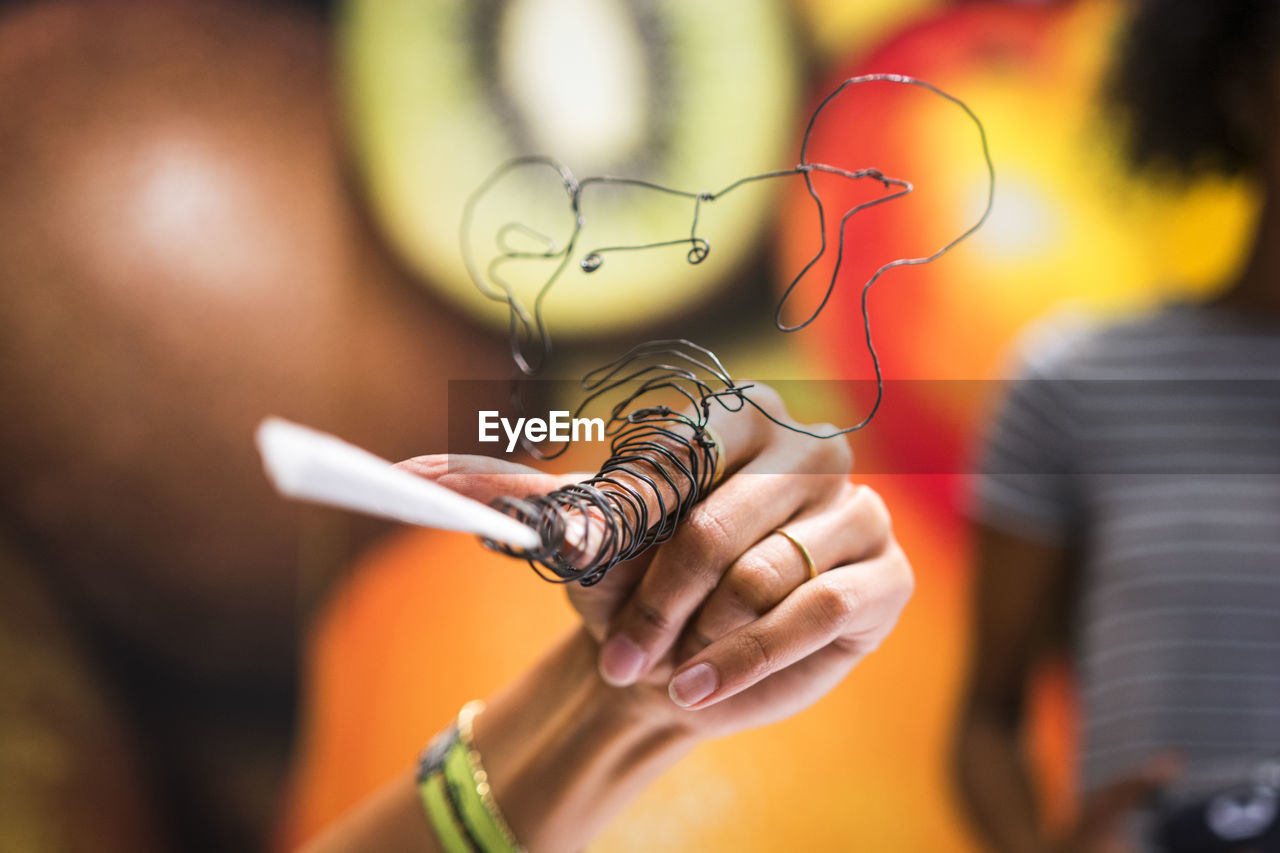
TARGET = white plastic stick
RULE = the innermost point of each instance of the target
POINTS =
(315, 466)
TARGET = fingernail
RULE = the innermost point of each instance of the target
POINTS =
(620, 661)
(693, 685)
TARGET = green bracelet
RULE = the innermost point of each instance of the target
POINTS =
(452, 834)
(456, 795)
(463, 766)
(438, 801)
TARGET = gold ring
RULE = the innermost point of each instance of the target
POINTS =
(804, 552)
(717, 467)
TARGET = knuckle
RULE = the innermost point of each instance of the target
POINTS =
(743, 597)
(843, 452)
(768, 399)
(833, 454)
(706, 535)
(868, 505)
(904, 576)
(752, 579)
(834, 605)
(757, 655)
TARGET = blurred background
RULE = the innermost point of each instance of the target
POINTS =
(210, 212)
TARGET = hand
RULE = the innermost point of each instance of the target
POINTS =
(1101, 823)
(723, 618)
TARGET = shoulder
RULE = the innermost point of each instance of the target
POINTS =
(1050, 345)
(1076, 344)
(1058, 360)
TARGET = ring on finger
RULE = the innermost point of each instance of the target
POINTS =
(717, 466)
(810, 565)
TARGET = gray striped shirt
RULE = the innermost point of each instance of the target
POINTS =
(1152, 448)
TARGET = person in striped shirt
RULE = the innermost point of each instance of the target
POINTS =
(1128, 501)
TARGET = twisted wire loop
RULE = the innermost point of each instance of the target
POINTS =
(662, 460)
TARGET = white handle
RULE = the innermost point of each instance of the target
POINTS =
(315, 466)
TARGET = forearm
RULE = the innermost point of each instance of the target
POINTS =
(1021, 601)
(995, 786)
(564, 752)
(569, 751)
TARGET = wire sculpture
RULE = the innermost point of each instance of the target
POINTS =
(662, 461)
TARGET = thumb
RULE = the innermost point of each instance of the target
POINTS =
(1105, 809)
(484, 478)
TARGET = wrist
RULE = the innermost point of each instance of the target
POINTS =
(565, 751)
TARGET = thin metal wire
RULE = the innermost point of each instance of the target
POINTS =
(656, 450)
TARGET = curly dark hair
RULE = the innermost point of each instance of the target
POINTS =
(1194, 83)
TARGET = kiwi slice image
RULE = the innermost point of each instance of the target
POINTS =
(439, 93)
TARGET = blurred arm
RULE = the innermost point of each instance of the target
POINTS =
(1020, 599)
(595, 748)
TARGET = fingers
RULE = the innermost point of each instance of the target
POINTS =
(484, 478)
(852, 607)
(854, 529)
(688, 567)
(794, 473)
